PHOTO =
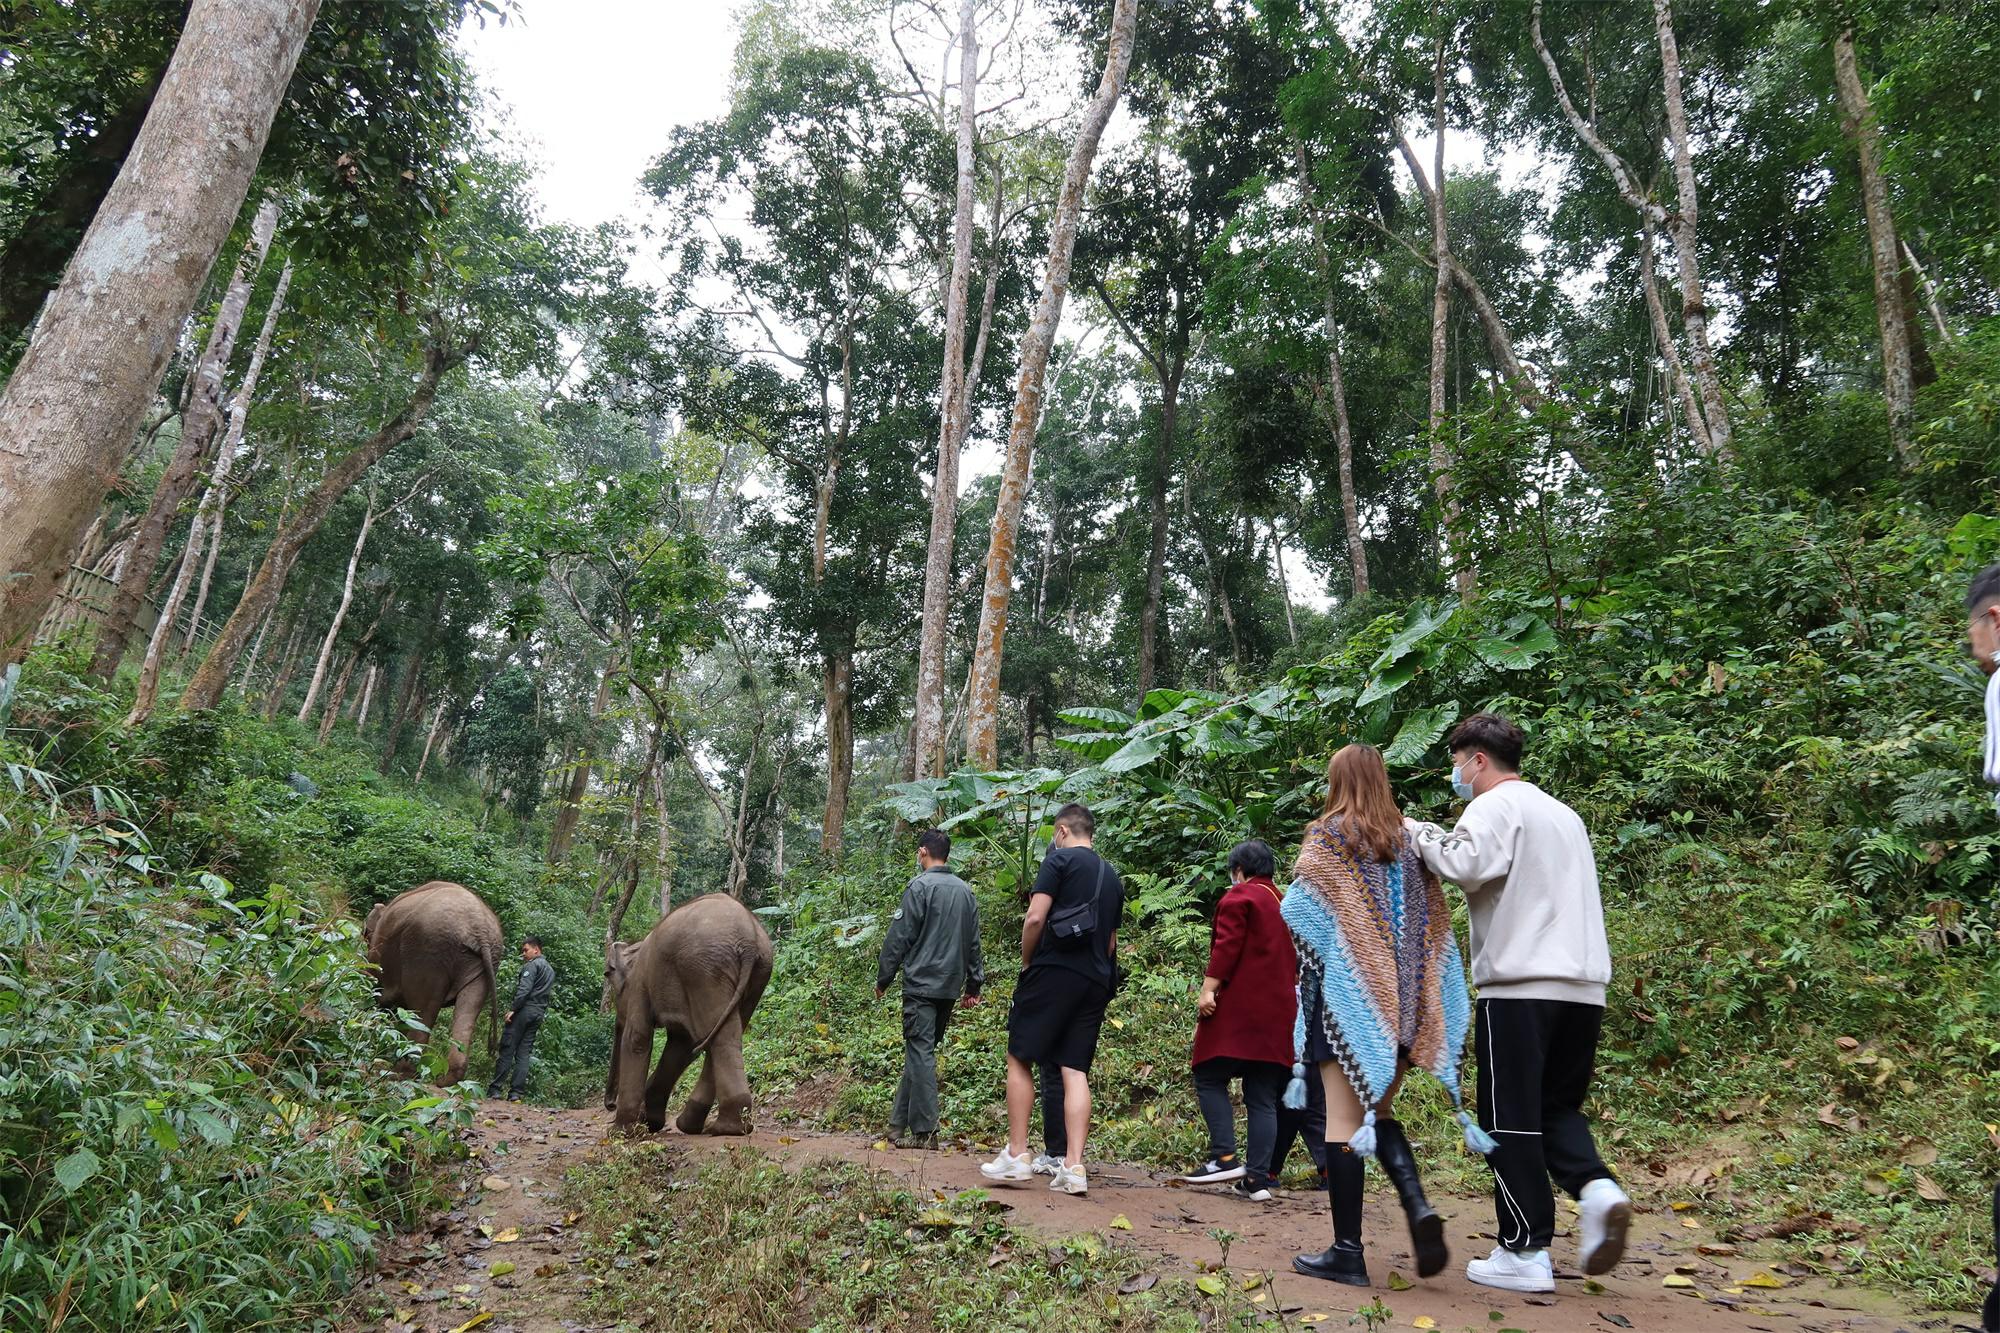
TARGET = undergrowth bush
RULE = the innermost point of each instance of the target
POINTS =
(197, 1118)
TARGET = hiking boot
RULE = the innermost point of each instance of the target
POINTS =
(1427, 1247)
(1216, 1171)
(1513, 1272)
(1342, 1262)
(1245, 1188)
(1045, 1165)
(1007, 1169)
(1606, 1215)
(908, 1139)
(1070, 1180)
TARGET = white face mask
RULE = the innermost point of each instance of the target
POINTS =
(1461, 786)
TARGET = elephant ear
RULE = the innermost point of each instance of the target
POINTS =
(369, 922)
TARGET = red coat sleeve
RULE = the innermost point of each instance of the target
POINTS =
(1225, 943)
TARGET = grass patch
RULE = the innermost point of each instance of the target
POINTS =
(742, 1242)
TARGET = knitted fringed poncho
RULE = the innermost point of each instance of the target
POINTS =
(1377, 936)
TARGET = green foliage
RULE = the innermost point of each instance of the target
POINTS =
(195, 1105)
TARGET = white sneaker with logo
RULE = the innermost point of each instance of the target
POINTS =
(1605, 1215)
(1513, 1272)
(1008, 1169)
(1070, 1180)
(1045, 1165)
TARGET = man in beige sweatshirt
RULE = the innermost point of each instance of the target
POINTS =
(1540, 964)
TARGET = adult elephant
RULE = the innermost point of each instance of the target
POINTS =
(699, 975)
(438, 945)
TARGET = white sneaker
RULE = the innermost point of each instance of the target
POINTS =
(1007, 1168)
(1605, 1215)
(1513, 1272)
(1070, 1180)
(1045, 1165)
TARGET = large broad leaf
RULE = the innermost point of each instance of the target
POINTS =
(1097, 719)
(1092, 745)
(1521, 649)
(1419, 623)
(1136, 753)
(1387, 683)
(1419, 732)
(913, 801)
(73, 1170)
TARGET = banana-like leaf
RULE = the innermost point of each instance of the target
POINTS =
(1419, 732)
(1097, 719)
(1387, 683)
(1521, 649)
(1136, 753)
(1419, 623)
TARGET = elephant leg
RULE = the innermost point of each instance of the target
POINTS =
(674, 1060)
(635, 1052)
(465, 1015)
(732, 1083)
(694, 1112)
(419, 1031)
(611, 1077)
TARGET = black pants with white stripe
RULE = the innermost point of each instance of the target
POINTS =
(1535, 1059)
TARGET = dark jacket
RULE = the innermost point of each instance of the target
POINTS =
(532, 990)
(933, 939)
(1251, 954)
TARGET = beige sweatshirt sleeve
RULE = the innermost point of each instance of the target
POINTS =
(1479, 850)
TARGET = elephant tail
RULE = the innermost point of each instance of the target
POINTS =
(493, 1005)
(746, 972)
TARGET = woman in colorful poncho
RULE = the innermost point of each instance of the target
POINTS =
(1381, 989)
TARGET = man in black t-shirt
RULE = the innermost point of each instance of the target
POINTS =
(1068, 943)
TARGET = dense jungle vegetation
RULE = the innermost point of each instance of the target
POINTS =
(1632, 369)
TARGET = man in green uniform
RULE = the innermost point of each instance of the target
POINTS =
(934, 941)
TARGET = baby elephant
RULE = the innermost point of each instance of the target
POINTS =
(438, 945)
(699, 975)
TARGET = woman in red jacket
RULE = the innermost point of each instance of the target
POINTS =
(1248, 1003)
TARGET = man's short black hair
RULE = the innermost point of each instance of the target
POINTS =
(1985, 590)
(1254, 859)
(535, 940)
(1491, 735)
(936, 842)
(1077, 819)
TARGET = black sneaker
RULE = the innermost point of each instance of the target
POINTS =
(1255, 1193)
(1215, 1171)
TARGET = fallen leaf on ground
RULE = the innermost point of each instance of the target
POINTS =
(1677, 1281)
(496, 1183)
(1137, 1283)
(1423, 1321)
(501, 1269)
(1618, 1319)
(1121, 1223)
(1929, 1190)
(1764, 1280)
(1397, 1282)
(508, 1237)
(1316, 1317)
(483, 1317)
(1210, 1284)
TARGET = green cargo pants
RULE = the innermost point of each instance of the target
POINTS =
(924, 1021)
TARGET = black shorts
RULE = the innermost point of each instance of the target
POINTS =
(1055, 1017)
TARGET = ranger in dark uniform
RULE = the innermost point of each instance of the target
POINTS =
(934, 941)
(531, 1002)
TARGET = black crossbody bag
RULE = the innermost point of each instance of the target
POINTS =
(1075, 925)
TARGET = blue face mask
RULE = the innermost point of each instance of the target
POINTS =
(1459, 786)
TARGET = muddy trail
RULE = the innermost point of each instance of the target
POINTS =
(506, 1258)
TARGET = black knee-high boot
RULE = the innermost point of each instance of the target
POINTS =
(1399, 1163)
(1342, 1261)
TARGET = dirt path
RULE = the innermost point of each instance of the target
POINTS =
(457, 1270)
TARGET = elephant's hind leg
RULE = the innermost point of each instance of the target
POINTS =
(694, 1112)
(674, 1061)
(732, 1083)
(466, 1009)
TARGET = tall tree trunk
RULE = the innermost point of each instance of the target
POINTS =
(739, 835)
(982, 735)
(1156, 542)
(207, 524)
(287, 664)
(239, 417)
(1284, 581)
(1680, 224)
(407, 704)
(636, 818)
(663, 845)
(205, 690)
(331, 713)
(1899, 332)
(339, 612)
(46, 236)
(563, 831)
(1459, 560)
(837, 676)
(255, 657)
(200, 422)
(1333, 398)
(1684, 225)
(1945, 335)
(368, 684)
(1663, 334)
(430, 740)
(927, 726)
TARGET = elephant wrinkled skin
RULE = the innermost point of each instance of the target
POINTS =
(699, 975)
(438, 945)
